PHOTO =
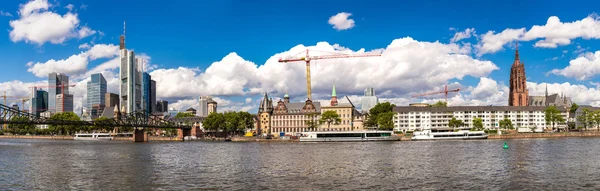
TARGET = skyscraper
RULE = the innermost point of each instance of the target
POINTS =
(96, 90)
(519, 95)
(148, 93)
(162, 106)
(111, 99)
(55, 82)
(369, 100)
(203, 109)
(39, 101)
(68, 103)
(131, 78)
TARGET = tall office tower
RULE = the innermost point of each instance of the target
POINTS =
(68, 103)
(39, 101)
(55, 81)
(96, 90)
(152, 96)
(131, 78)
(148, 93)
(369, 100)
(203, 110)
(111, 100)
(162, 106)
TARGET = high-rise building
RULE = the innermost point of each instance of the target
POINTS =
(131, 79)
(39, 101)
(55, 82)
(96, 90)
(519, 94)
(369, 100)
(162, 106)
(148, 93)
(68, 103)
(111, 99)
(203, 109)
(211, 107)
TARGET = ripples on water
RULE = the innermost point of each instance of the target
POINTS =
(533, 164)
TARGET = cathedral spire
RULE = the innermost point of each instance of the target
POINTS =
(546, 90)
(517, 51)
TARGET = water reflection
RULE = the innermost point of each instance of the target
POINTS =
(530, 164)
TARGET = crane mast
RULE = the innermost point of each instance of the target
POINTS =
(445, 92)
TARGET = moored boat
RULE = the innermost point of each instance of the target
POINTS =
(93, 136)
(427, 134)
(347, 136)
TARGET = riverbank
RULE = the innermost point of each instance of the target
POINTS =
(545, 135)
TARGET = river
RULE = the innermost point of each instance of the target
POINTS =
(529, 164)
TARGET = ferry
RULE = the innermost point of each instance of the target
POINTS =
(342, 136)
(461, 135)
(93, 136)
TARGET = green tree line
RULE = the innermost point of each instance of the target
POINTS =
(231, 122)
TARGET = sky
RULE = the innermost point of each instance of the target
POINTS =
(229, 49)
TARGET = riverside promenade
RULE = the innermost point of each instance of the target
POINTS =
(545, 135)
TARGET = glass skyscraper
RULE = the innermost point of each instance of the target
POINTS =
(148, 93)
(369, 100)
(55, 81)
(39, 102)
(96, 90)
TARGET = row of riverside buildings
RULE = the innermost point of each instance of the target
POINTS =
(523, 111)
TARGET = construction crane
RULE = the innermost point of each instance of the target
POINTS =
(445, 92)
(62, 91)
(307, 58)
(14, 97)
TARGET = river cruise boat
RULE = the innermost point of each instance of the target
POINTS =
(93, 136)
(342, 136)
(460, 135)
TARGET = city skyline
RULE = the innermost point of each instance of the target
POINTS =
(236, 74)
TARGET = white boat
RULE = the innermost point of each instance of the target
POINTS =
(342, 136)
(461, 134)
(93, 136)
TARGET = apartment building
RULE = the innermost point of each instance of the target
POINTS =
(410, 118)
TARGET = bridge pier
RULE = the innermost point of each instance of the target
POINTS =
(139, 135)
(182, 133)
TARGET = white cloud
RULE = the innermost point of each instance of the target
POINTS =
(341, 21)
(6, 14)
(103, 51)
(38, 25)
(491, 42)
(75, 64)
(248, 100)
(553, 34)
(70, 7)
(582, 68)
(463, 35)
(84, 46)
(85, 32)
(411, 66)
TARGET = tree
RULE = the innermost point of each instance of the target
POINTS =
(232, 122)
(101, 124)
(477, 124)
(440, 104)
(553, 116)
(584, 118)
(246, 120)
(23, 127)
(312, 122)
(455, 123)
(574, 108)
(596, 118)
(330, 117)
(385, 121)
(183, 115)
(374, 112)
(64, 129)
(214, 121)
(505, 124)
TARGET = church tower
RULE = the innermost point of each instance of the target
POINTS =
(519, 95)
(265, 110)
(334, 100)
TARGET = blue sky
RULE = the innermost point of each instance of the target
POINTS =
(195, 34)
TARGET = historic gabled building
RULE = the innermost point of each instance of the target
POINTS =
(550, 100)
(265, 110)
(519, 94)
(351, 118)
(292, 118)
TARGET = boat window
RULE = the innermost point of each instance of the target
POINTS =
(327, 135)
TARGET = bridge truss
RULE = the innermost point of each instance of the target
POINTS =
(135, 120)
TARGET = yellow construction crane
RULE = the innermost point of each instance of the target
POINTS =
(308, 58)
(23, 99)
